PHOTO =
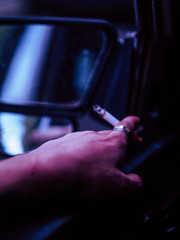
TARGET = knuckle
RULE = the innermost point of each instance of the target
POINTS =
(119, 139)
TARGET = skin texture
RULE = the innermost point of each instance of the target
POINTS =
(80, 164)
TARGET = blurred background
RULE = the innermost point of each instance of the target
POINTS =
(14, 7)
(112, 10)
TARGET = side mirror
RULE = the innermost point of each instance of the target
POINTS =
(51, 65)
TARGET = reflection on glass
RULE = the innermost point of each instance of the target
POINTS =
(25, 66)
(20, 133)
(47, 63)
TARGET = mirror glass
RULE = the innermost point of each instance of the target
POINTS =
(48, 64)
(20, 133)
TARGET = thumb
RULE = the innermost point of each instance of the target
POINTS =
(118, 183)
(133, 182)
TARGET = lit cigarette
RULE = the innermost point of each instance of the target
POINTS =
(108, 117)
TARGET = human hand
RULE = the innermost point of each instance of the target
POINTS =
(87, 163)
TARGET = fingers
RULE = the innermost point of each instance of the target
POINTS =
(131, 122)
(116, 183)
(126, 184)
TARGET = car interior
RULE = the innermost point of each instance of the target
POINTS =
(60, 58)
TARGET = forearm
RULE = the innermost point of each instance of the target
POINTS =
(26, 176)
(17, 174)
